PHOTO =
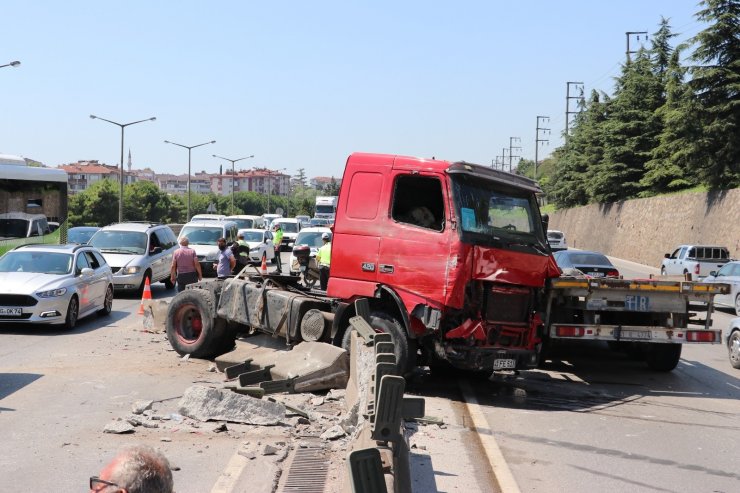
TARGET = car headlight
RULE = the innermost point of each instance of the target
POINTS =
(52, 293)
(131, 270)
(255, 249)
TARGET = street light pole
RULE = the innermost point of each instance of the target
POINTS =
(233, 175)
(189, 148)
(11, 64)
(122, 125)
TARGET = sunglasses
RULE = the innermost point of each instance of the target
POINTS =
(96, 482)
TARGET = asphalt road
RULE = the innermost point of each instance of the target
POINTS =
(593, 420)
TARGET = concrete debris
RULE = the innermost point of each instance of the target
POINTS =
(212, 368)
(165, 439)
(269, 450)
(333, 433)
(118, 427)
(149, 424)
(185, 358)
(221, 428)
(139, 407)
(336, 394)
(209, 404)
(247, 454)
(317, 401)
(134, 420)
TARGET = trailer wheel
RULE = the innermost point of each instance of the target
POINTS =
(663, 357)
(192, 326)
(382, 322)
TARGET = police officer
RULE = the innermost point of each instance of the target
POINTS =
(323, 259)
(278, 240)
(241, 252)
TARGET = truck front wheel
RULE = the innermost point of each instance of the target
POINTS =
(193, 328)
(663, 357)
(382, 322)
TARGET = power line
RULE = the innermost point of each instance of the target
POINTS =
(578, 86)
(537, 140)
(511, 149)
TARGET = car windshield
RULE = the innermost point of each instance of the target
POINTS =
(312, 239)
(13, 228)
(495, 215)
(289, 227)
(253, 236)
(324, 209)
(38, 262)
(555, 236)
(588, 259)
(243, 223)
(131, 242)
(80, 236)
(319, 222)
(202, 235)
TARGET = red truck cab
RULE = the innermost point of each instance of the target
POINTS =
(452, 256)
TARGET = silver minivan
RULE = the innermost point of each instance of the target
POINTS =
(136, 251)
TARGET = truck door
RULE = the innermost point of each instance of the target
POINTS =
(414, 250)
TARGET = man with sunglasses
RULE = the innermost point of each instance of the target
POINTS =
(136, 469)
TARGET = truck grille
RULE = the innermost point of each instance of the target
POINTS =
(508, 304)
(17, 300)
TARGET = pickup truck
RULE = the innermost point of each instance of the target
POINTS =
(697, 260)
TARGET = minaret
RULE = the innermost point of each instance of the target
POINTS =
(129, 160)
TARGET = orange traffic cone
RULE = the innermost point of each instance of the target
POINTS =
(146, 295)
(264, 264)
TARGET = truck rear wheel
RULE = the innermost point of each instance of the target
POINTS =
(382, 322)
(192, 326)
(663, 357)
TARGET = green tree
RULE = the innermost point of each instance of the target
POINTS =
(630, 132)
(96, 206)
(144, 201)
(332, 189)
(716, 85)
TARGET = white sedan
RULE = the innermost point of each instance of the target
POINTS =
(728, 274)
(260, 244)
(310, 237)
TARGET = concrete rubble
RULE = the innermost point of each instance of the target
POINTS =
(209, 404)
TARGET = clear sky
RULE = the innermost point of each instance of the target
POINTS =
(303, 84)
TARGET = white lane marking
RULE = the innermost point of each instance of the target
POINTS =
(231, 474)
(500, 468)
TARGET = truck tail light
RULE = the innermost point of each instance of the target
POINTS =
(701, 336)
(566, 331)
(696, 269)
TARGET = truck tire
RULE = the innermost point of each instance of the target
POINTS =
(663, 357)
(192, 326)
(382, 322)
(733, 349)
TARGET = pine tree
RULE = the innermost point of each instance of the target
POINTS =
(716, 84)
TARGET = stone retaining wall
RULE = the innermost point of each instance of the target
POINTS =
(643, 230)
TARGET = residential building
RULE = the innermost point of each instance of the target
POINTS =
(83, 174)
(260, 180)
(322, 182)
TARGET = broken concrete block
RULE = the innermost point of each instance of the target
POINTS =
(155, 315)
(269, 449)
(336, 394)
(209, 404)
(333, 433)
(139, 407)
(118, 427)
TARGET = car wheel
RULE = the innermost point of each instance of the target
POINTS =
(73, 310)
(737, 305)
(733, 348)
(107, 303)
(168, 284)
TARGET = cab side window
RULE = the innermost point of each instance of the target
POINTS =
(418, 201)
(163, 238)
(99, 258)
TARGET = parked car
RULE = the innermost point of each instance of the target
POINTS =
(290, 226)
(733, 342)
(81, 234)
(728, 274)
(137, 251)
(245, 221)
(312, 238)
(260, 244)
(54, 284)
(203, 236)
(593, 264)
(556, 239)
(697, 260)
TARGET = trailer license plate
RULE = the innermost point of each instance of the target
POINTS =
(636, 334)
(12, 312)
(504, 364)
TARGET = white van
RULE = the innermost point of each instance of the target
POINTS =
(203, 236)
(244, 221)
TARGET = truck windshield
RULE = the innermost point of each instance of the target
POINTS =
(324, 209)
(492, 214)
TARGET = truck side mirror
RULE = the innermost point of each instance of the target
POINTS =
(545, 222)
(667, 255)
(713, 273)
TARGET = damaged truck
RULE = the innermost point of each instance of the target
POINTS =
(454, 263)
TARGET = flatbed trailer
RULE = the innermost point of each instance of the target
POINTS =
(648, 317)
